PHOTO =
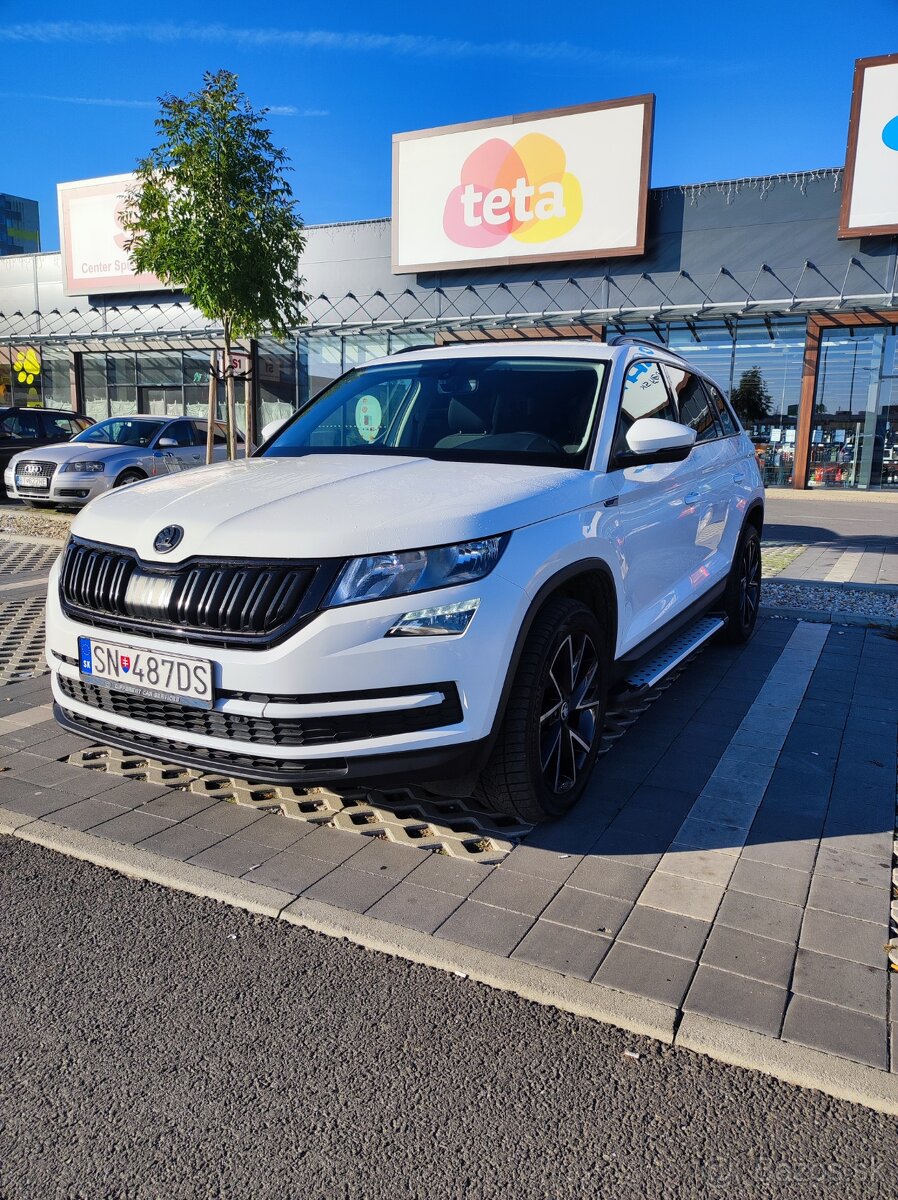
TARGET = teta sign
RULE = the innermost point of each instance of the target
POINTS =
(567, 184)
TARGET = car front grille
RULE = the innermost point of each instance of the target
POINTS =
(223, 602)
(264, 731)
(29, 470)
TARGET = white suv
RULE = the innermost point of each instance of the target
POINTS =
(432, 574)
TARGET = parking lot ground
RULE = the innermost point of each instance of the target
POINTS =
(725, 883)
(822, 537)
(162, 1045)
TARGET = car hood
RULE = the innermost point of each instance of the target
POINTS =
(63, 452)
(330, 505)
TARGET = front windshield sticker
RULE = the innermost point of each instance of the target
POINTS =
(368, 417)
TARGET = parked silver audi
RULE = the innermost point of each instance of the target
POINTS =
(110, 454)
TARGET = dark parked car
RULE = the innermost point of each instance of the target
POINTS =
(28, 428)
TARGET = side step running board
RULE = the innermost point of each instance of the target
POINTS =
(650, 672)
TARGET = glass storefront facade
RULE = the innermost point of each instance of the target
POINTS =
(161, 383)
(36, 375)
(758, 363)
(759, 366)
(322, 358)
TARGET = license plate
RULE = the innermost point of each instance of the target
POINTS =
(186, 681)
(33, 481)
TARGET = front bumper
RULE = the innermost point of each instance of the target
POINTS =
(385, 770)
(69, 487)
(338, 674)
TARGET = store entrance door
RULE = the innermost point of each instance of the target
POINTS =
(161, 401)
(854, 431)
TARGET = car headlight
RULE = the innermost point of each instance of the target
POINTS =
(397, 573)
(91, 467)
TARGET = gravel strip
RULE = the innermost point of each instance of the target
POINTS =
(823, 598)
(32, 522)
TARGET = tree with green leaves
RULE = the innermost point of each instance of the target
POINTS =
(751, 398)
(213, 214)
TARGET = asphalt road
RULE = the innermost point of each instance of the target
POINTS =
(803, 517)
(158, 1045)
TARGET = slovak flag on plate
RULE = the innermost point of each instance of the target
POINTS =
(125, 661)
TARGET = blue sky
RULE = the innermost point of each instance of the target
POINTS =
(741, 89)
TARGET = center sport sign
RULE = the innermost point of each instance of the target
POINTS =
(92, 240)
(561, 185)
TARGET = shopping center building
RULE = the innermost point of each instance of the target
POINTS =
(743, 277)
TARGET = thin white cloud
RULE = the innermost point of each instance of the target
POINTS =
(102, 101)
(276, 110)
(290, 110)
(406, 45)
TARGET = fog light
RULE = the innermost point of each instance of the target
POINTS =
(445, 619)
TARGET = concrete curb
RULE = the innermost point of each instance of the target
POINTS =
(11, 821)
(884, 589)
(829, 617)
(799, 1065)
(794, 1064)
(633, 1013)
(847, 496)
(38, 584)
(8, 535)
(155, 868)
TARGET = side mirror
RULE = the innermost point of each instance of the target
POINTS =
(167, 443)
(651, 440)
(271, 428)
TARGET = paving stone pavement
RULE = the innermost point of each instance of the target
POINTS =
(732, 857)
(875, 561)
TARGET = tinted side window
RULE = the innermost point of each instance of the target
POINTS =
(181, 432)
(724, 416)
(57, 426)
(644, 394)
(219, 437)
(22, 424)
(694, 404)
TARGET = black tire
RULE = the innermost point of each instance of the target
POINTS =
(525, 777)
(129, 476)
(742, 597)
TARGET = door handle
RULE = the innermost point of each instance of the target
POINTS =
(692, 498)
(738, 478)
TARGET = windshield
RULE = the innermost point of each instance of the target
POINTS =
(523, 410)
(121, 431)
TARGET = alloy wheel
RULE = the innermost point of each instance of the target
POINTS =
(568, 723)
(749, 582)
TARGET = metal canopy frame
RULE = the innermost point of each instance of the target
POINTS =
(604, 299)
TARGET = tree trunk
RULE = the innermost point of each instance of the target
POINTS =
(213, 396)
(231, 417)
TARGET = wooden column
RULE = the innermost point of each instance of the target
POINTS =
(806, 405)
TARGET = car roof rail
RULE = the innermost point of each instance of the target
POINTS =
(625, 339)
